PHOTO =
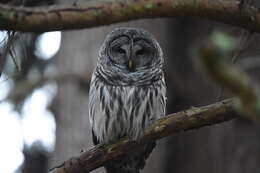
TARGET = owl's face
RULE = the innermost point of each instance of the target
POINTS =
(129, 53)
(131, 49)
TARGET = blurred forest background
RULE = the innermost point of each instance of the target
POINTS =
(58, 86)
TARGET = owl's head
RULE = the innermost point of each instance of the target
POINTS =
(131, 49)
(130, 55)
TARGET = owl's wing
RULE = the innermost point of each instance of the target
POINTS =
(99, 111)
(94, 112)
(94, 138)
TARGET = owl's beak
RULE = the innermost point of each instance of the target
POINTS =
(130, 64)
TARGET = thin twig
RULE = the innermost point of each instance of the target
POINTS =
(26, 87)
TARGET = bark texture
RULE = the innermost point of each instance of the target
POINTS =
(96, 14)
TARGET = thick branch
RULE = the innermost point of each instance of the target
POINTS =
(103, 13)
(195, 117)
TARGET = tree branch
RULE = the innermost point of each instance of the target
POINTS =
(21, 91)
(6, 48)
(97, 13)
(233, 78)
(192, 118)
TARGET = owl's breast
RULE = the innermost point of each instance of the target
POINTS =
(118, 111)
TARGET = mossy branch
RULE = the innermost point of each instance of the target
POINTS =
(192, 118)
(214, 58)
(98, 13)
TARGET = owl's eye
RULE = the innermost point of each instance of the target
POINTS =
(140, 52)
(120, 50)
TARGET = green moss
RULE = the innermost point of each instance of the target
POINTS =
(223, 41)
(257, 106)
(95, 13)
(137, 9)
(150, 5)
(174, 4)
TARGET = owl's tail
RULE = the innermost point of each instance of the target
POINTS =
(131, 163)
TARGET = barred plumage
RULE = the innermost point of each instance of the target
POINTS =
(125, 98)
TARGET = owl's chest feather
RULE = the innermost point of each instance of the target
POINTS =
(118, 111)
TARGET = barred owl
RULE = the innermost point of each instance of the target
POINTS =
(127, 93)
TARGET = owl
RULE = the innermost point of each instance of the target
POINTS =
(127, 93)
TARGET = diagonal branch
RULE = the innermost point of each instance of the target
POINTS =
(103, 13)
(195, 117)
(214, 59)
